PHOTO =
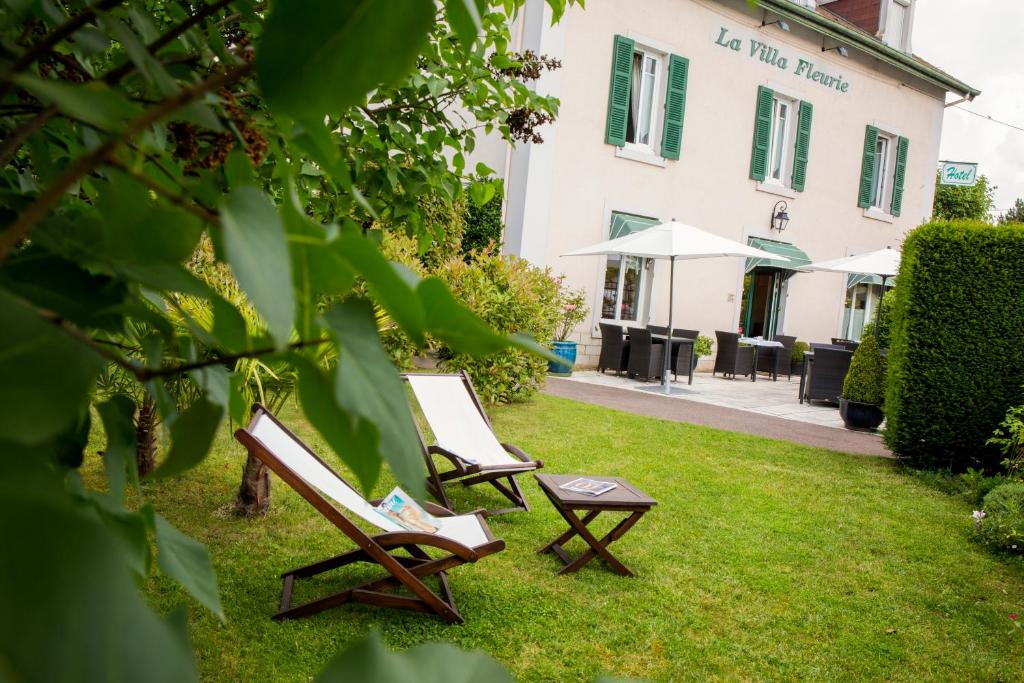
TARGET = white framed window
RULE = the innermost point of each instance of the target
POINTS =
(897, 24)
(625, 284)
(782, 142)
(885, 165)
(644, 99)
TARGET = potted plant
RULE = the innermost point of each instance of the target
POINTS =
(860, 405)
(796, 357)
(574, 310)
(701, 348)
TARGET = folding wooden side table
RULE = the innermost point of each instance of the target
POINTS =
(623, 498)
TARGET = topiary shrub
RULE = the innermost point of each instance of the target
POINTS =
(956, 354)
(511, 295)
(483, 223)
(1000, 523)
(882, 330)
(865, 380)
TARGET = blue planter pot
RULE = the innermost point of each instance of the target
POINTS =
(565, 350)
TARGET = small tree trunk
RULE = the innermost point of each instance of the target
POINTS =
(254, 492)
(145, 435)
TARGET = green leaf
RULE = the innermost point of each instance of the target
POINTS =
(481, 192)
(257, 250)
(353, 439)
(386, 285)
(63, 287)
(138, 230)
(368, 661)
(464, 18)
(94, 102)
(191, 436)
(354, 46)
(367, 385)
(187, 561)
(70, 577)
(130, 530)
(119, 460)
(45, 375)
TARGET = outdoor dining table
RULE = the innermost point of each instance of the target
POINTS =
(677, 342)
(759, 344)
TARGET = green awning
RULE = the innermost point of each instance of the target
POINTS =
(625, 223)
(795, 255)
(855, 279)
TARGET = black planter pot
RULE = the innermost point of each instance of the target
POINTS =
(860, 415)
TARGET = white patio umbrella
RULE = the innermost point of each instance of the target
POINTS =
(884, 263)
(673, 241)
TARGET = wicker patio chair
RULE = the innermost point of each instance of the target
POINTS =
(825, 375)
(614, 349)
(645, 359)
(460, 538)
(731, 358)
(776, 361)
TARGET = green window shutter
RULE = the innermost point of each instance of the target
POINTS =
(803, 145)
(675, 106)
(618, 92)
(900, 174)
(867, 168)
(762, 133)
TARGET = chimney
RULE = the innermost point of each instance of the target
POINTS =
(865, 14)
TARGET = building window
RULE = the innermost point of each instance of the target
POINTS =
(897, 24)
(885, 163)
(624, 281)
(780, 150)
(641, 125)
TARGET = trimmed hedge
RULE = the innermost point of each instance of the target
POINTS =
(956, 359)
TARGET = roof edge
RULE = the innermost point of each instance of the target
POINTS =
(868, 44)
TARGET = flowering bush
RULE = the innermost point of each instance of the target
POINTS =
(511, 295)
(574, 310)
(1000, 522)
(1009, 437)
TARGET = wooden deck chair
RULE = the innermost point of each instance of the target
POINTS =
(464, 436)
(464, 538)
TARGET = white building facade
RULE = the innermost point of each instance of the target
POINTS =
(727, 115)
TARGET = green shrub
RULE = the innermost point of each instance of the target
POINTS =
(972, 486)
(483, 224)
(865, 380)
(797, 354)
(956, 354)
(1009, 438)
(512, 296)
(1002, 526)
(884, 327)
(702, 347)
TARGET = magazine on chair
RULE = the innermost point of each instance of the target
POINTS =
(400, 508)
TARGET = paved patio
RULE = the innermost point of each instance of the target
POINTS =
(777, 399)
(764, 408)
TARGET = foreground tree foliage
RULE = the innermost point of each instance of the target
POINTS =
(278, 135)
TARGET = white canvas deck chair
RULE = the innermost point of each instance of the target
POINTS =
(463, 538)
(464, 436)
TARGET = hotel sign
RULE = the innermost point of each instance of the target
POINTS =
(798, 64)
(958, 173)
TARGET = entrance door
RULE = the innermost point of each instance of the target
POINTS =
(762, 300)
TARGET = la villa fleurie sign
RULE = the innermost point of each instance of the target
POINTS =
(758, 49)
(961, 173)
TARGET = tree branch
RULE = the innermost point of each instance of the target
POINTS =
(146, 374)
(83, 165)
(205, 214)
(52, 38)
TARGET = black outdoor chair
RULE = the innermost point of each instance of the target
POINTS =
(848, 344)
(645, 359)
(614, 349)
(776, 361)
(825, 375)
(731, 358)
(657, 329)
(684, 352)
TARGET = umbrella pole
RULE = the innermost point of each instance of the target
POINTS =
(878, 313)
(667, 349)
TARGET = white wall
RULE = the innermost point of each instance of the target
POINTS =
(574, 180)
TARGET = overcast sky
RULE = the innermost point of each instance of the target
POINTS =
(980, 42)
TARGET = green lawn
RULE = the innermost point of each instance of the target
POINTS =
(764, 560)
